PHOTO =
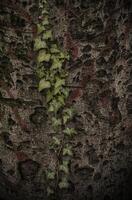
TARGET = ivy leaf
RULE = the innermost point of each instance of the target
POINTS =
(43, 56)
(65, 91)
(69, 111)
(40, 73)
(61, 99)
(56, 141)
(43, 84)
(57, 90)
(57, 64)
(47, 35)
(59, 82)
(40, 28)
(64, 56)
(69, 131)
(45, 21)
(54, 49)
(64, 168)
(65, 118)
(64, 183)
(51, 108)
(39, 44)
(49, 96)
(56, 122)
(44, 11)
(67, 114)
(55, 105)
(50, 175)
(67, 151)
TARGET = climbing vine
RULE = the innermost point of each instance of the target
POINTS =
(52, 83)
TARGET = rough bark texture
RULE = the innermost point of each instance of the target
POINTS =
(98, 35)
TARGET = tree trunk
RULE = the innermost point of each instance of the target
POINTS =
(98, 36)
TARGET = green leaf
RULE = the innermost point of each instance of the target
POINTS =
(43, 84)
(55, 106)
(40, 28)
(61, 99)
(64, 183)
(64, 168)
(47, 35)
(40, 73)
(50, 175)
(65, 91)
(54, 49)
(49, 96)
(39, 44)
(45, 21)
(44, 11)
(55, 141)
(67, 151)
(69, 131)
(43, 56)
(56, 122)
(51, 108)
(57, 64)
(57, 90)
(64, 56)
(59, 82)
(65, 118)
(67, 114)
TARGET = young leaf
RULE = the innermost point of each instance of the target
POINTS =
(45, 21)
(69, 131)
(55, 141)
(65, 119)
(61, 99)
(56, 122)
(57, 64)
(50, 175)
(57, 90)
(40, 73)
(55, 106)
(67, 151)
(40, 28)
(43, 56)
(51, 107)
(47, 35)
(65, 91)
(64, 183)
(49, 96)
(43, 84)
(54, 49)
(64, 168)
(64, 56)
(39, 44)
(44, 11)
(68, 112)
(59, 82)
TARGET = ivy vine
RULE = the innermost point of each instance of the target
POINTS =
(52, 82)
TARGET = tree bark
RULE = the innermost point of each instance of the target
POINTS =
(98, 35)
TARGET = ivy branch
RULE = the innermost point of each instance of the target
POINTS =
(52, 82)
